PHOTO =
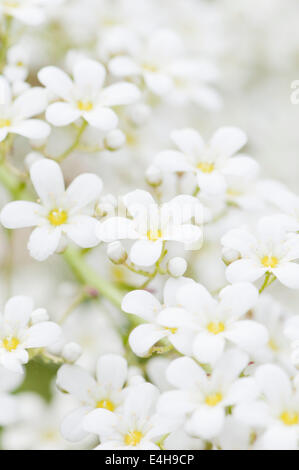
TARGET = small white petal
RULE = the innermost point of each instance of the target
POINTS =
(43, 242)
(62, 114)
(228, 140)
(48, 182)
(141, 303)
(82, 231)
(57, 81)
(119, 94)
(112, 371)
(19, 214)
(144, 337)
(42, 335)
(146, 253)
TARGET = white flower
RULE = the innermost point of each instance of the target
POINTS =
(202, 399)
(29, 12)
(166, 71)
(85, 97)
(214, 323)
(17, 334)
(272, 251)
(16, 69)
(135, 427)
(9, 381)
(212, 163)
(16, 114)
(277, 411)
(148, 308)
(152, 224)
(104, 392)
(60, 212)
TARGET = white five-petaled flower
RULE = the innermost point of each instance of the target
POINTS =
(146, 306)
(85, 97)
(276, 411)
(151, 225)
(214, 323)
(212, 163)
(16, 114)
(61, 213)
(166, 71)
(136, 427)
(29, 12)
(201, 399)
(17, 334)
(273, 251)
(105, 392)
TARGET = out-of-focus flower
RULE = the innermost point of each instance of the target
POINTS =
(16, 114)
(17, 334)
(212, 163)
(29, 12)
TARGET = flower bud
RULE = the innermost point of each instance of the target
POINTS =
(153, 176)
(39, 315)
(117, 253)
(177, 267)
(115, 139)
(139, 114)
(106, 206)
(71, 352)
(229, 255)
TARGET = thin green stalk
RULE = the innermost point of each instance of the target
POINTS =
(90, 278)
(74, 145)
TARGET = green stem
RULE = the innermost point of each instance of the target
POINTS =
(74, 145)
(11, 182)
(90, 278)
(269, 278)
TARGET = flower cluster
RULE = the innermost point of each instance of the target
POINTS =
(136, 212)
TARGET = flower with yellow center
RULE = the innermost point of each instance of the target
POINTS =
(213, 399)
(216, 327)
(57, 217)
(289, 418)
(133, 438)
(206, 167)
(269, 261)
(154, 235)
(10, 344)
(85, 105)
(106, 405)
(4, 123)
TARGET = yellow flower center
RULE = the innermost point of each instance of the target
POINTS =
(272, 345)
(150, 68)
(154, 235)
(4, 123)
(106, 404)
(85, 105)
(10, 344)
(216, 327)
(133, 438)
(57, 217)
(171, 330)
(269, 261)
(206, 167)
(289, 418)
(214, 399)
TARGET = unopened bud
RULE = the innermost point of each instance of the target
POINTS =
(71, 352)
(229, 255)
(117, 253)
(177, 267)
(139, 114)
(153, 176)
(115, 139)
(39, 315)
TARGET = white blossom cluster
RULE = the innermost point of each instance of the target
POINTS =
(148, 265)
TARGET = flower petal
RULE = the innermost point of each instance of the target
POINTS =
(62, 114)
(56, 81)
(102, 118)
(72, 425)
(228, 140)
(141, 303)
(82, 231)
(48, 182)
(244, 270)
(84, 190)
(17, 311)
(288, 275)
(275, 385)
(184, 373)
(76, 381)
(89, 76)
(172, 161)
(32, 129)
(144, 337)
(207, 422)
(30, 103)
(119, 94)
(145, 253)
(188, 141)
(19, 214)
(42, 335)
(43, 242)
(112, 371)
(208, 348)
(248, 335)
